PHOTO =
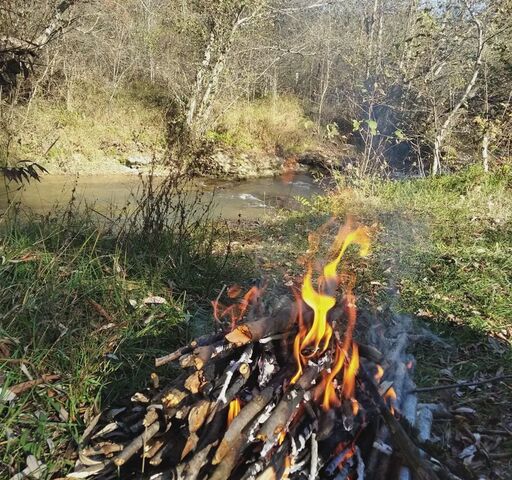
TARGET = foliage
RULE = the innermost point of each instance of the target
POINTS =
(23, 172)
(87, 127)
(266, 124)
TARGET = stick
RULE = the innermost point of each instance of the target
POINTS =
(201, 341)
(264, 327)
(436, 388)
(24, 386)
(314, 458)
(131, 449)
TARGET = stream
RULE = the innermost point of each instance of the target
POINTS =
(249, 199)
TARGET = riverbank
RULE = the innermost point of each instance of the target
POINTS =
(95, 308)
(90, 131)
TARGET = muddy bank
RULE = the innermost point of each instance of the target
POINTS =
(220, 164)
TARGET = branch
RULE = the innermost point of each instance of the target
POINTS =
(436, 388)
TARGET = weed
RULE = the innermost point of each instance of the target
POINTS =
(74, 300)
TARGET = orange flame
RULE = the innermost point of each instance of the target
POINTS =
(349, 377)
(320, 332)
(236, 311)
(379, 374)
(281, 437)
(348, 455)
(390, 397)
(287, 467)
(234, 410)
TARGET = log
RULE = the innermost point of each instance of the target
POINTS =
(198, 415)
(264, 327)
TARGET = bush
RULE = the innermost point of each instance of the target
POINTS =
(266, 124)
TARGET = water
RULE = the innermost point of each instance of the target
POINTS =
(250, 199)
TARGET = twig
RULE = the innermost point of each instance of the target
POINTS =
(463, 384)
(23, 387)
(314, 458)
(131, 449)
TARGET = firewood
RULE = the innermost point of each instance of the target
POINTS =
(136, 444)
(281, 415)
(246, 415)
(192, 468)
(153, 446)
(264, 327)
(198, 415)
(190, 444)
(245, 358)
(173, 398)
(204, 340)
(150, 417)
(408, 449)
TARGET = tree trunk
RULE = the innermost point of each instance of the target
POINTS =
(485, 151)
(447, 124)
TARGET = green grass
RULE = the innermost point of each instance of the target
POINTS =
(53, 271)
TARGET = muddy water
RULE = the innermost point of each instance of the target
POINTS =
(249, 199)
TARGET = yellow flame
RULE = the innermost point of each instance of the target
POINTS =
(330, 398)
(320, 304)
(234, 410)
(349, 377)
(360, 237)
(320, 333)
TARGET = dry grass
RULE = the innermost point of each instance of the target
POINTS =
(266, 124)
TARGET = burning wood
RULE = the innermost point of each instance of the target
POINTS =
(286, 395)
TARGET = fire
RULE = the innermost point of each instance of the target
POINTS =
(287, 467)
(311, 343)
(236, 311)
(281, 437)
(330, 397)
(379, 374)
(349, 377)
(390, 397)
(320, 330)
(359, 236)
(234, 410)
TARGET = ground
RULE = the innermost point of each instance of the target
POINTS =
(95, 309)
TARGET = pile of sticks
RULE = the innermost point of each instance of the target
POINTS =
(233, 414)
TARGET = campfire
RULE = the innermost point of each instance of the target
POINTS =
(287, 394)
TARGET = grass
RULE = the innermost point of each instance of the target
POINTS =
(72, 297)
(264, 125)
(442, 252)
(86, 125)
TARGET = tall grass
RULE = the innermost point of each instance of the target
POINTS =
(266, 124)
(75, 301)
